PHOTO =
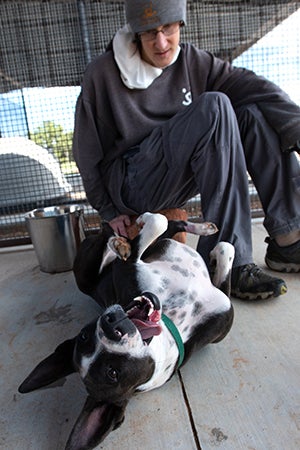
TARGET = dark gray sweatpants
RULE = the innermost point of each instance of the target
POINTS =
(199, 150)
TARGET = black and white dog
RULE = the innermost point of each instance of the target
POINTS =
(157, 301)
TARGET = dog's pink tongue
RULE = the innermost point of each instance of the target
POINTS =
(147, 329)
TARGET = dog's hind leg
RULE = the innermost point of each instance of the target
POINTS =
(221, 259)
(199, 229)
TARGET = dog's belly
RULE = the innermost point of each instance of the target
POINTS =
(181, 281)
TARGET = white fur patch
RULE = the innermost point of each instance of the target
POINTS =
(153, 226)
(223, 255)
(108, 256)
(164, 351)
(131, 345)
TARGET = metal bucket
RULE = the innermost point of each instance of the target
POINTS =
(56, 232)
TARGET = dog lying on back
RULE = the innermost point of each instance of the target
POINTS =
(157, 302)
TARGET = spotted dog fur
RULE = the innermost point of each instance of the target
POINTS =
(128, 348)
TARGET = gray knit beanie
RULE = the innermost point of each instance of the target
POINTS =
(143, 15)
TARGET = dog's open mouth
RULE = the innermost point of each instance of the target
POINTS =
(144, 312)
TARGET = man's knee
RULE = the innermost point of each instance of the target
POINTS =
(217, 109)
(215, 100)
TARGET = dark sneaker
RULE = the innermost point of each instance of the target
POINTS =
(249, 282)
(283, 259)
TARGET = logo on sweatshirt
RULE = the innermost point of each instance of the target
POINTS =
(187, 97)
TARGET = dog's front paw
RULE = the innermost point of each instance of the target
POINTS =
(120, 246)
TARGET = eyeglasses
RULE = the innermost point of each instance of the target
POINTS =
(167, 30)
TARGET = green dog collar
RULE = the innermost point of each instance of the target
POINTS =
(176, 335)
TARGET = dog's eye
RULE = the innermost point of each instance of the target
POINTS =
(112, 374)
(84, 336)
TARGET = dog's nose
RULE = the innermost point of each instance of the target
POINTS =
(115, 323)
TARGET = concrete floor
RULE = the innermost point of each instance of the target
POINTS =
(243, 393)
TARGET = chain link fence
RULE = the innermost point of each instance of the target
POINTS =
(44, 49)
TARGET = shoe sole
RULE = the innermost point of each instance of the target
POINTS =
(282, 267)
(282, 289)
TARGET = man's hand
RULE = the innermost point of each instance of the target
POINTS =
(119, 224)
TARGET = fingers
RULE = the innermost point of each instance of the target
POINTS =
(119, 224)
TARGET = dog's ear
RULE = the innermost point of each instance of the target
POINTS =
(95, 422)
(58, 365)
